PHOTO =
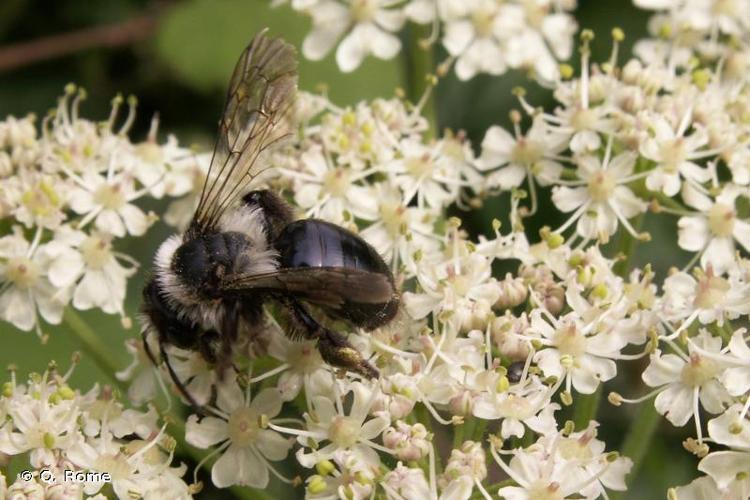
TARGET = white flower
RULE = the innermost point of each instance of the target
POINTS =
(330, 191)
(194, 372)
(343, 431)
(354, 480)
(705, 487)
(533, 154)
(673, 152)
(466, 467)
(39, 424)
(240, 429)
(89, 264)
(368, 25)
(602, 200)
(684, 380)
(559, 466)
(521, 404)
(707, 297)
(26, 287)
(425, 173)
(462, 285)
(409, 442)
(107, 200)
(715, 229)
(473, 40)
(582, 344)
(405, 482)
(41, 199)
(138, 466)
(401, 230)
(731, 429)
(489, 37)
(303, 367)
(737, 378)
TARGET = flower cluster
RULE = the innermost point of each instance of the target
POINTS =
(474, 370)
(59, 429)
(481, 36)
(657, 135)
(683, 30)
(69, 192)
(470, 351)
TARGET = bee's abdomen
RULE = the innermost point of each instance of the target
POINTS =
(316, 243)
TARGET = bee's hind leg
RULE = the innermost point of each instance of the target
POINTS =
(334, 348)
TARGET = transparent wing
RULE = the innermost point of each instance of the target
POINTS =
(324, 286)
(257, 115)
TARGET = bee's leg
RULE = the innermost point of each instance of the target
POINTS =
(177, 382)
(277, 213)
(334, 348)
(227, 339)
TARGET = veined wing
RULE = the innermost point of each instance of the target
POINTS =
(323, 286)
(256, 116)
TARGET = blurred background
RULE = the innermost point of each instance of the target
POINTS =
(176, 57)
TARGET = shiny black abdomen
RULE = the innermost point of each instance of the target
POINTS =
(317, 243)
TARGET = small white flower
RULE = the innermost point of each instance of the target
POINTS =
(406, 482)
(107, 200)
(704, 296)
(369, 27)
(602, 200)
(731, 429)
(240, 429)
(25, 287)
(684, 380)
(330, 191)
(715, 229)
(88, 263)
(558, 466)
(466, 467)
(409, 442)
(350, 431)
(673, 152)
(533, 154)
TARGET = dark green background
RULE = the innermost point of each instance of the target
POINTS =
(180, 72)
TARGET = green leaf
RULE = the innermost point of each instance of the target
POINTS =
(200, 40)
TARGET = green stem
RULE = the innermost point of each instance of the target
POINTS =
(586, 406)
(638, 440)
(459, 431)
(93, 345)
(477, 433)
(96, 349)
(626, 247)
(419, 69)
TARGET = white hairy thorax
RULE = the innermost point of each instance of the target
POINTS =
(258, 258)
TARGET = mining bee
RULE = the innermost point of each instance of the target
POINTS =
(243, 249)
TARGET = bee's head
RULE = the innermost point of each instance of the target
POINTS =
(193, 264)
(203, 263)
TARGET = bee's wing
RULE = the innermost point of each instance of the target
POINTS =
(257, 115)
(323, 286)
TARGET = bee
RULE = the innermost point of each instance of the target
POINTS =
(243, 248)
